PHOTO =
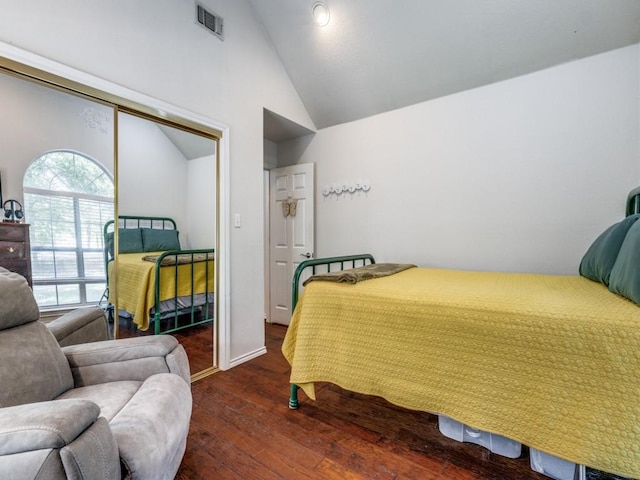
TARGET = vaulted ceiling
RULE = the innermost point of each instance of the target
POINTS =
(379, 55)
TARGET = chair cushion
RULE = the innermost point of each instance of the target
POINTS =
(18, 305)
(110, 397)
(32, 365)
(151, 430)
(149, 421)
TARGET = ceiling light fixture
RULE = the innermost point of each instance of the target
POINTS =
(321, 14)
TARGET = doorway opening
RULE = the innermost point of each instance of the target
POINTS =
(289, 197)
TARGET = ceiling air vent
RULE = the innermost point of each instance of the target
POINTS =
(211, 21)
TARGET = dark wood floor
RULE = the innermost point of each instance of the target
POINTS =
(242, 428)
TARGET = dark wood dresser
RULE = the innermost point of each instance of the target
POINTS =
(15, 253)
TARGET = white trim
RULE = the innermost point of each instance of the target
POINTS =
(224, 260)
(224, 295)
(247, 356)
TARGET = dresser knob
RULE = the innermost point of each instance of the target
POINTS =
(11, 249)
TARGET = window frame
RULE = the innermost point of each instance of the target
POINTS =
(81, 280)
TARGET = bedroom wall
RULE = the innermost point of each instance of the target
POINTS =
(521, 175)
(149, 163)
(201, 202)
(36, 120)
(270, 154)
(156, 48)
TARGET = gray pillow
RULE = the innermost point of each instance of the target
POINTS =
(156, 240)
(625, 275)
(597, 263)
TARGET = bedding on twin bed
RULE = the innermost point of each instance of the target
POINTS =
(551, 361)
(136, 283)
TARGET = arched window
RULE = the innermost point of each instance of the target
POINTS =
(68, 198)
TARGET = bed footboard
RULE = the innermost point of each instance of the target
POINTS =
(184, 295)
(321, 265)
(193, 306)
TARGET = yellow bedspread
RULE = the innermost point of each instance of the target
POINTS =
(136, 284)
(550, 361)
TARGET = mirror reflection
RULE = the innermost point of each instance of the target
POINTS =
(58, 168)
(166, 228)
(58, 163)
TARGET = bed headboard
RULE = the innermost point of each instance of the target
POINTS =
(144, 227)
(329, 264)
(633, 202)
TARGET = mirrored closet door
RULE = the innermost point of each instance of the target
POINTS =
(167, 202)
(74, 162)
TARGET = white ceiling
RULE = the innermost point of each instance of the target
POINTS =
(192, 146)
(379, 55)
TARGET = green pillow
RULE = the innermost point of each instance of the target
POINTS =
(625, 275)
(156, 240)
(597, 263)
(129, 241)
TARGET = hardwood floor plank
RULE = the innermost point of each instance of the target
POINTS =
(242, 428)
(247, 430)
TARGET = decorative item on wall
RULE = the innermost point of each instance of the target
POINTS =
(97, 119)
(0, 188)
(350, 188)
(13, 211)
(289, 207)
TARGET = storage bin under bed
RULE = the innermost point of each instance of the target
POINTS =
(555, 467)
(463, 433)
(540, 462)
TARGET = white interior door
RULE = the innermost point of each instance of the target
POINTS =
(291, 205)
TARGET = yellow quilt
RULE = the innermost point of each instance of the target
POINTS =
(550, 361)
(136, 284)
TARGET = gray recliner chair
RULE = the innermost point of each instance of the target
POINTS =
(83, 325)
(109, 410)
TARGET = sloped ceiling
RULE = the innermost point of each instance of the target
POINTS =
(192, 146)
(379, 55)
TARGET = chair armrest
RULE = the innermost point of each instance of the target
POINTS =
(82, 325)
(55, 437)
(127, 359)
(36, 426)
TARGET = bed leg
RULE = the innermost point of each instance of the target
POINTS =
(293, 399)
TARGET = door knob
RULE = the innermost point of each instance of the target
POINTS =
(306, 255)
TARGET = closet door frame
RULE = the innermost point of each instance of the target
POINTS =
(15, 61)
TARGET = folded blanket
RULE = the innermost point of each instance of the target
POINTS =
(367, 272)
(179, 259)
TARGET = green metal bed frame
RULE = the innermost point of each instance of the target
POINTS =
(632, 207)
(205, 308)
(633, 202)
(331, 264)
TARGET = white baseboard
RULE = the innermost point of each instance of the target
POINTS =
(247, 356)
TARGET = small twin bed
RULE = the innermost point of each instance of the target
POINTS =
(551, 361)
(158, 283)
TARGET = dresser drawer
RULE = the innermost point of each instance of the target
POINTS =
(15, 254)
(12, 233)
(12, 250)
(17, 266)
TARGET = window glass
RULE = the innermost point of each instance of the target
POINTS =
(68, 198)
